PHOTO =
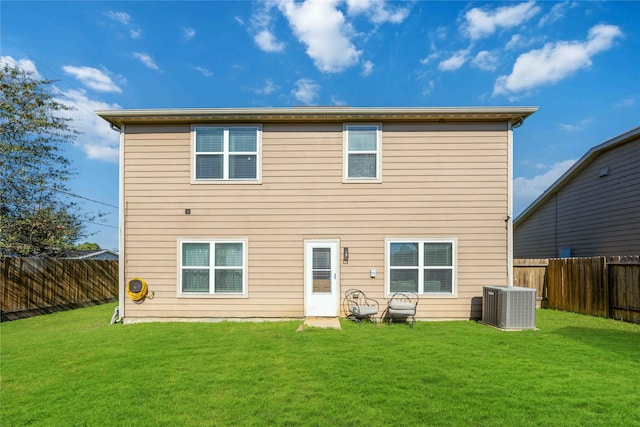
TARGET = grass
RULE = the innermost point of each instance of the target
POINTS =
(73, 369)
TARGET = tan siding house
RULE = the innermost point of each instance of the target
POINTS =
(274, 213)
(592, 210)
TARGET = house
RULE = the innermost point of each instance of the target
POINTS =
(273, 213)
(591, 210)
(89, 254)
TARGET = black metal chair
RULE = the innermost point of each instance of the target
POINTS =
(358, 307)
(402, 306)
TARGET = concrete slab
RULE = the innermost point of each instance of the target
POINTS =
(322, 322)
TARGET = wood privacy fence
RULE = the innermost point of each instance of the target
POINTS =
(32, 286)
(598, 286)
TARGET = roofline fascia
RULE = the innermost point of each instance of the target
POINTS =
(281, 114)
(578, 166)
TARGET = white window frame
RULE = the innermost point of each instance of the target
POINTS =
(226, 154)
(212, 268)
(378, 152)
(421, 267)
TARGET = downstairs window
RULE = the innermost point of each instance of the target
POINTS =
(213, 267)
(421, 266)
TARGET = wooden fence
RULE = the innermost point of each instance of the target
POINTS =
(598, 286)
(32, 286)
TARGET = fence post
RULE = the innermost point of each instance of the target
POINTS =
(607, 289)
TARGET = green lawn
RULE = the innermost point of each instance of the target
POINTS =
(73, 368)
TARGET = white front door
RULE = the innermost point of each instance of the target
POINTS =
(321, 278)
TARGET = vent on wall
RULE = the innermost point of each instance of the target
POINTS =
(509, 307)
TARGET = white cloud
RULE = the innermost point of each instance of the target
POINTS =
(377, 11)
(601, 37)
(267, 42)
(517, 41)
(323, 29)
(429, 58)
(25, 65)
(486, 60)
(625, 103)
(96, 138)
(556, 13)
(262, 28)
(526, 190)
(337, 102)
(188, 33)
(146, 60)
(126, 20)
(555, 61)
(306, 91)
(268, 88)
(203, 70)
(239, 20)
(93, 78)
(367, 68)
(514, 42)
(456, 61)
(575, 127)
(428, 88)
(480, 23)
(121, 17)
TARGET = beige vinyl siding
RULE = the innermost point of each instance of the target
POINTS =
(592, 215)
(438, 181)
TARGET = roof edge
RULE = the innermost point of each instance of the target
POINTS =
(275, 114)
(578, 166)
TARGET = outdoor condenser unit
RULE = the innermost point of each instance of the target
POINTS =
(509, 307)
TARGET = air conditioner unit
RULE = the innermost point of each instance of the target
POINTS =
(509, 307)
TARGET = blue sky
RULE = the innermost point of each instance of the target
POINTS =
(578, 61)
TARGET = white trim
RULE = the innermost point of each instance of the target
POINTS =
(509, 218)
(212, 241)
(421, 241)
(225, 153)
(334, 297)
(345, 154)
(121, 231)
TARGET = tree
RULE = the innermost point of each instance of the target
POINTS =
(36, 219)
(86, 246)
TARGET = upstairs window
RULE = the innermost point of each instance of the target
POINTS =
(421, 266)
(228, 153)
(362, 153)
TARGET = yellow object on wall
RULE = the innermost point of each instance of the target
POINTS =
(137, 289)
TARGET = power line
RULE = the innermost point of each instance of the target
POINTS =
(103, 225)
(74, 195)
(82, 197)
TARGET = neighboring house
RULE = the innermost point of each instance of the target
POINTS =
(276, 212)
(591, 210)
(100, 254)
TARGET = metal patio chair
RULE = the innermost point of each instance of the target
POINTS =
(357, 306)
(402, 306)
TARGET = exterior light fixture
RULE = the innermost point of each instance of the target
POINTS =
(345, 255)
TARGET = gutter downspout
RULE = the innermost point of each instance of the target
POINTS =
(121, 246)
(509, 219)
(121, 218)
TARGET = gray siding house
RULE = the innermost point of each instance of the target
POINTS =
(591, 210)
